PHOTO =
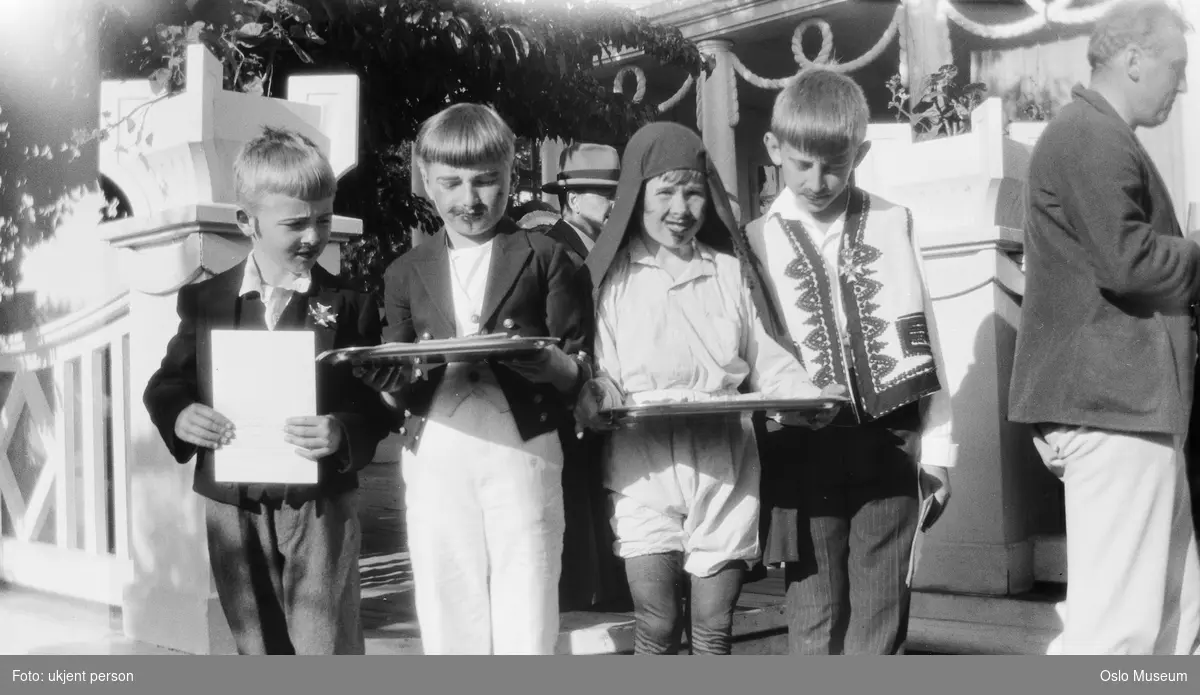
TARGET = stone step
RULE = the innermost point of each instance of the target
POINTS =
(969, 624)
(941, 623)
(1050, 558)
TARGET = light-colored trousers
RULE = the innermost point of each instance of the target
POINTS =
(485, 531)
(686, 485)
(1133, 578)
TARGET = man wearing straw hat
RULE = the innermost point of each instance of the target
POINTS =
(586, 183)
(591, 575)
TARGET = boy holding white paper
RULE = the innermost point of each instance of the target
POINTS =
(284, 556)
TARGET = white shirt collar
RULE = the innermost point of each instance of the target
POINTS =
(704, 260)
(588, 242)
(252, 281)
(786, 206)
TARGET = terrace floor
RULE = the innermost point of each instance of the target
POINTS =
(37, 623)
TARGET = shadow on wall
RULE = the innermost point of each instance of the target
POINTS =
(1040, 491)
(987, 441)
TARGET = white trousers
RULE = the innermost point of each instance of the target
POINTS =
(1133, 578)
(485, 531)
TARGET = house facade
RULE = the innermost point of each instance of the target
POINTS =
(1028, 53)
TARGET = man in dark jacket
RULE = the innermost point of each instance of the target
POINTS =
(592, 576)
(1105, 354)
(586, 183)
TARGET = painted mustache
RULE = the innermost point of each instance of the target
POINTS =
(468, 210)
(681, 221)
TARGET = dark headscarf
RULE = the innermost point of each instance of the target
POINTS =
(653, 150)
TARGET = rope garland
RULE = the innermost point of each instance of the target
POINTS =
(678, 96)
(1011, 30)
(1044, 14)
(639, 93)
(735, 113)
(824, 57)
(1061, 12)
(639, 81)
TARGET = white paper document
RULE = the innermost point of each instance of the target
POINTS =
(259, 380)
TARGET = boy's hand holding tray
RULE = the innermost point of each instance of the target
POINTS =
(264, 388)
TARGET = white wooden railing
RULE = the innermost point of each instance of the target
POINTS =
(67, 410)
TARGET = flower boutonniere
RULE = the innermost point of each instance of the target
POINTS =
(322, 314)
(852, 264)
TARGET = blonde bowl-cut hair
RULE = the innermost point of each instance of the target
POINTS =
(465, 135)
(284, 162)
(822, 113)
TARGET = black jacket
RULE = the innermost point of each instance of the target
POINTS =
(533, 290)
(184, 378)
(565, 234)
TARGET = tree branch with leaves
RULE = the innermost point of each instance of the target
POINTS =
(534, 63)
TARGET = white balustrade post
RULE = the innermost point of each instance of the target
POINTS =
(123, 404)
(171, 600)
(93, 449)
(65, 509)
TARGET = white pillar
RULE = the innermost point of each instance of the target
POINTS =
(170, 600)
(719, 111)
(926, 43)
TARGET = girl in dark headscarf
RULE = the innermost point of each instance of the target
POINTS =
(676, 323)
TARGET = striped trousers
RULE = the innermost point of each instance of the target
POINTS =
(856, 498)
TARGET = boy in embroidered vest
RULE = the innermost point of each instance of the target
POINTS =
(675, 322)
(483, 470)
(284, 558)
(838, 279)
